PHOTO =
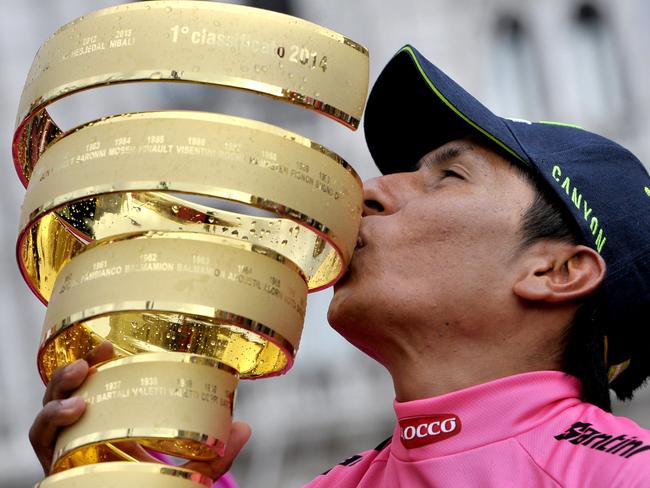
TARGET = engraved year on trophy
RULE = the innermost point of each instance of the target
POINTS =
(192, 297)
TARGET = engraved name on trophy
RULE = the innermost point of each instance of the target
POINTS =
(192, 297)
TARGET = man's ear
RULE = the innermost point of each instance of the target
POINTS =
(559, 272)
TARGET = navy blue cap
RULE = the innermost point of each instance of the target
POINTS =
(414, 108)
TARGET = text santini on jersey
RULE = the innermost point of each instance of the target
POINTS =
(583, 434)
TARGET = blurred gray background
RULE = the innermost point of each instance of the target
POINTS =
(584, 62)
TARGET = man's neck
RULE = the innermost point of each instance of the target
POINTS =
(415, 380)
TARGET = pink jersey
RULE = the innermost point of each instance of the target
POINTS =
(528, 430)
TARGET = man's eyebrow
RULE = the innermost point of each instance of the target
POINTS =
(443, 155)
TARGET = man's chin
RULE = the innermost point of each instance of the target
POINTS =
(338, 300)
(348, 320)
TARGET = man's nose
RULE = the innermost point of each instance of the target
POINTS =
(383, 195)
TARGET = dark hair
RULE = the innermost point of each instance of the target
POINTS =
(583, 353)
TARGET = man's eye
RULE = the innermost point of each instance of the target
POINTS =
(450, 173)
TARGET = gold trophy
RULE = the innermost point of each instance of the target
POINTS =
(192, 297)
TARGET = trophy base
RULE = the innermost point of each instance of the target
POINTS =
(119, 450)
(126, 474)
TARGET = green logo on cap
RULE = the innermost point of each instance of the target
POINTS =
(647, 191)
(576, 197)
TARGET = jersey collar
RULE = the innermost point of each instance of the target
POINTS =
(481, 414)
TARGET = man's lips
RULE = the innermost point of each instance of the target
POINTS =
(360, 244)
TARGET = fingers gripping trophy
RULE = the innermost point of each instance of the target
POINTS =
(192, 297)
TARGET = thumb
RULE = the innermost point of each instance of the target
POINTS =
(240, 432)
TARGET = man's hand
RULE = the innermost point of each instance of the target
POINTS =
(240, 432)
(60, 410)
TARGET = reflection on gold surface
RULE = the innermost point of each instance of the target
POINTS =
(247, 350)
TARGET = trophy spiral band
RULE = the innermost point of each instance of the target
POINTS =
(231, 158)
(202, 280)
(192, 297)
(257, 50)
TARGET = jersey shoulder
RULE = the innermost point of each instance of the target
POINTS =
(351, 471)
(586, 446)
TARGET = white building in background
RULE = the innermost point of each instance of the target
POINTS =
(584, 62)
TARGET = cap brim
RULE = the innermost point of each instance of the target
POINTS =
(414, 108)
